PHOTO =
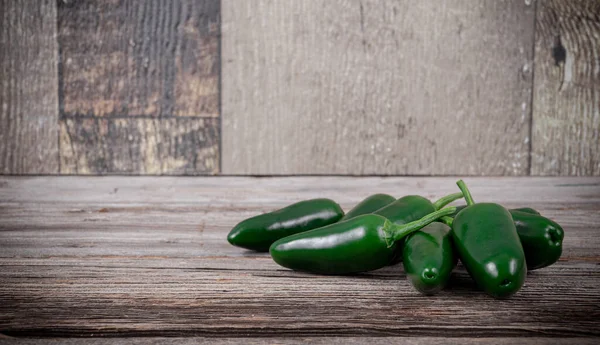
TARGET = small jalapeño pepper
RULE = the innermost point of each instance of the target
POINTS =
(369, 205)
(488, 245)
(361, 244)
(259, 232)
(541, 239)
(411, 208)
(429, 258)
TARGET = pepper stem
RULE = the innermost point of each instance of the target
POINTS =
(463, 187)
(446, 200)
(394, 232)
(446, 220)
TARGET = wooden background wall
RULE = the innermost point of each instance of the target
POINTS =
(190, 87)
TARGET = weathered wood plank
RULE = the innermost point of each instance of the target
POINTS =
(152, 58)
(144, 256)
(28, 87)
(376, 87)
(305, 340)
(566, 120)
(187, 146)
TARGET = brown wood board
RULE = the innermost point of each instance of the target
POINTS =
(147, 256)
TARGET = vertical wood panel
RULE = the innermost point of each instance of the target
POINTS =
(140, 86)
(28, 87)
(566, 117)
(377, 87)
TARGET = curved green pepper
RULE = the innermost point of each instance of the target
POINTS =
(429, 258)
(361, 244)
(369, 205)
(411, 208)
(488, 245)
(541, 239)
(258, 233)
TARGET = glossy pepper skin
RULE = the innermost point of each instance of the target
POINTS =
(541, 239)
(526, 210)
(429, 258)
(361, 244)
(411, 208)
(521, 209)
(258, 233)
(488, 245)
(369, 205)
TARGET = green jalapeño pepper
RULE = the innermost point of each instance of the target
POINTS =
(540, 237)
(369, 205)
(258, 233)
(521, 209)
(361, 244)
(411, 208)
(429, 258)
(488, 245)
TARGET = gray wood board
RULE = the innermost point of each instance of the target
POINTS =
(28, 87)
(566, 116)
(147, 256)
(376, 87)
(140, 87)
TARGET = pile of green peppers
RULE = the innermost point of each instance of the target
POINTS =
(496, 246)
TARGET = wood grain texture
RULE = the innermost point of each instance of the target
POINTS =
(304, 340)
(151, 58)
(174, 146)
(28, 87)
(566, 116)
(147, 256)
(376, 87)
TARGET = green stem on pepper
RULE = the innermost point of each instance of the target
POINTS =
(446, 220)
(446, 200)
(394, 232)
(463, 187)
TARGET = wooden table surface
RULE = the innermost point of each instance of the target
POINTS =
(130, 257)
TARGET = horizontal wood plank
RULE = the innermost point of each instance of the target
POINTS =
(171, 146)
(566, 113)
(377, 87)
(305, 340)
(28, 87)
(147, 256)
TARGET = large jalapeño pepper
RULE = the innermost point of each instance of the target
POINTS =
(258, 233)
(540, 237)
(488, 245)
(361, 244)
(429, 257)
(528, 210)
(369, 205)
